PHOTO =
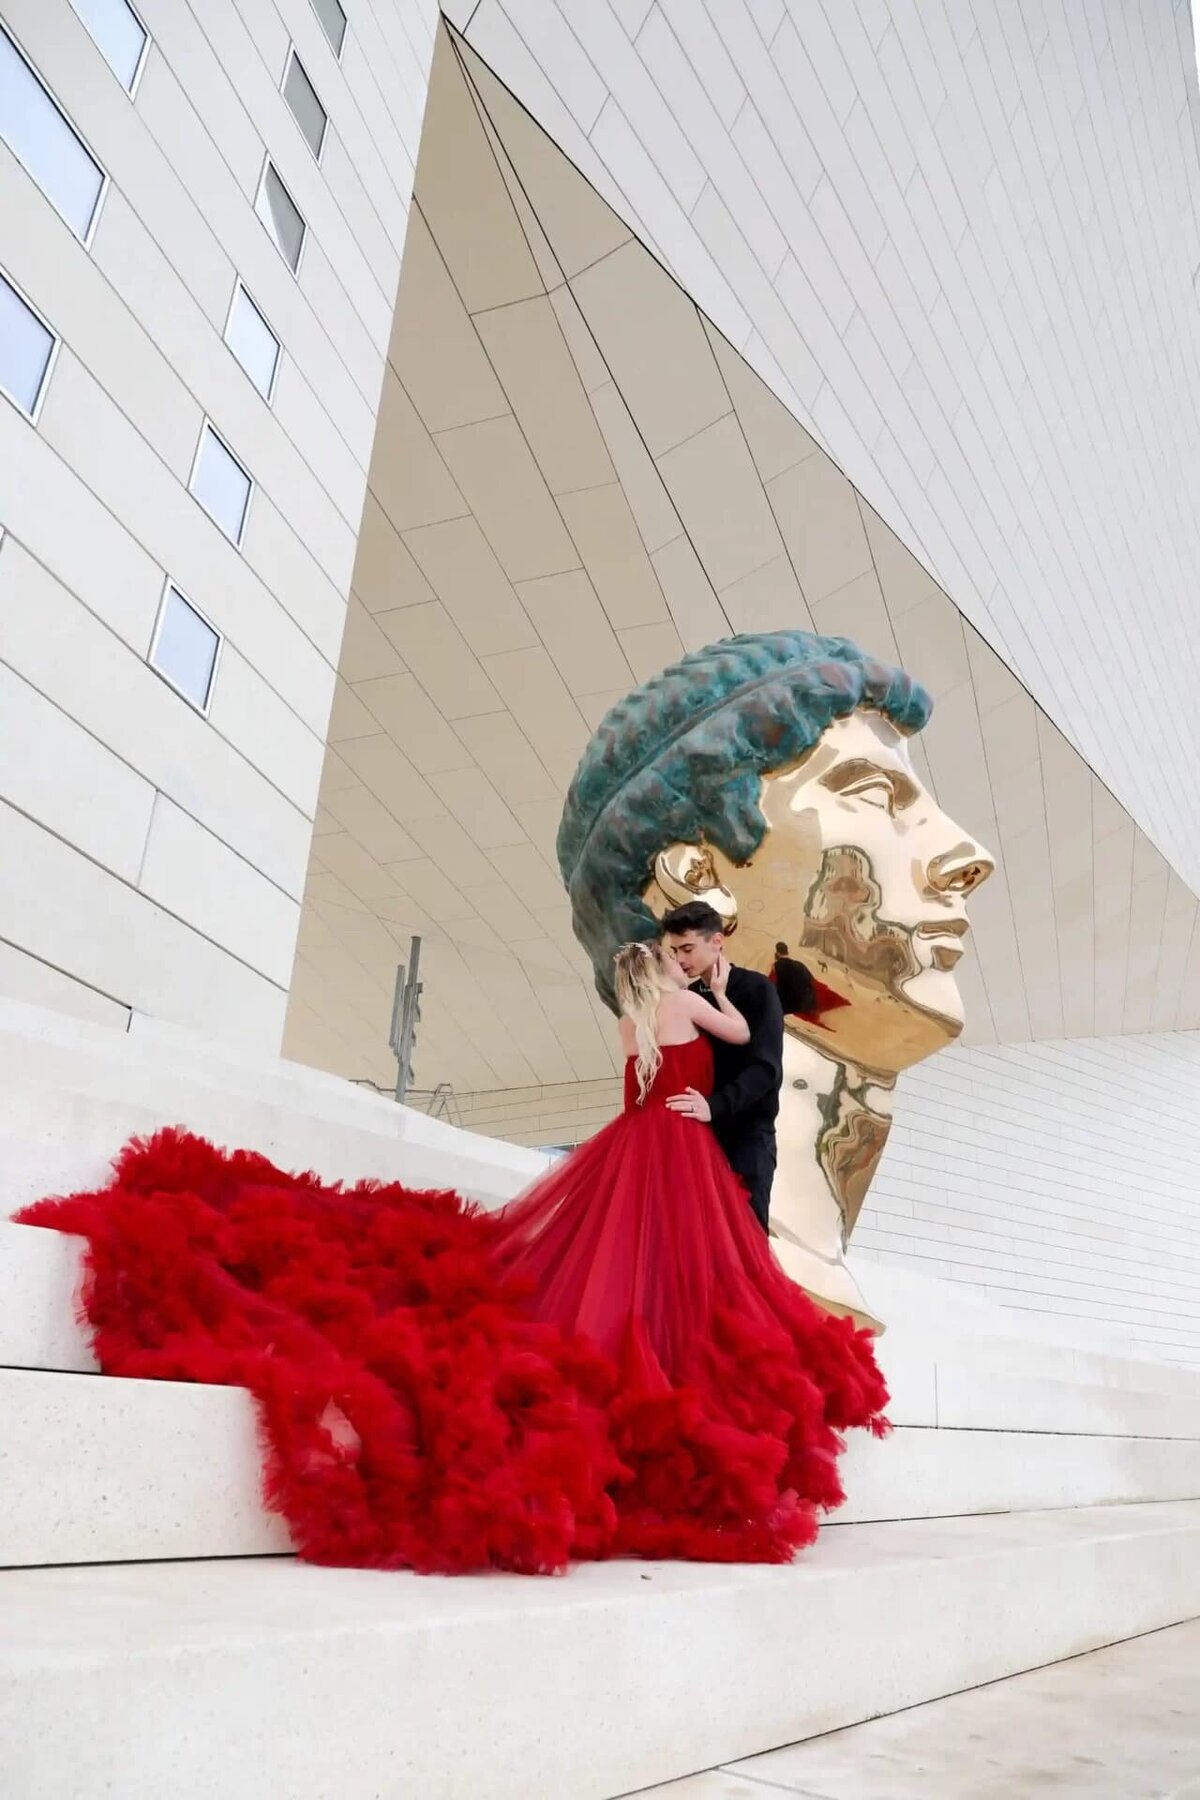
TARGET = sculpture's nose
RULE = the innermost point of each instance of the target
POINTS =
(960, 870)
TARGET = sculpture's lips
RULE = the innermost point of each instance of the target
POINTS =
(945, 952)
(936, 928)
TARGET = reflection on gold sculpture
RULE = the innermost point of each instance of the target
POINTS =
(784, 795)
(864, 874)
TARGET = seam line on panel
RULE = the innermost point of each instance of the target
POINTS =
(129, 531)
(148, 899)
(128, 647)
(567, 283)
(101, 993)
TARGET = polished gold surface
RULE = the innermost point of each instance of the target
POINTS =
(866, 879)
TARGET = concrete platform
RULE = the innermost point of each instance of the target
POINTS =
(245, 1679)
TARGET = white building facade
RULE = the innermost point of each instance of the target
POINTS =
(181, 483)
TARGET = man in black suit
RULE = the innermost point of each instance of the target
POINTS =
(747, 1077)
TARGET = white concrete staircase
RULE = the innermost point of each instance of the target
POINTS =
(1038, 1498)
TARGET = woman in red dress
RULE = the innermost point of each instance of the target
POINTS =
(614, 1364)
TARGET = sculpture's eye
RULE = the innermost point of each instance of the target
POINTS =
(876, 792)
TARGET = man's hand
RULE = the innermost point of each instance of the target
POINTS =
(692, 1105)
(718, 977)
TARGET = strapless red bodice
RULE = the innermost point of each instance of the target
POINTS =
(683, 1066)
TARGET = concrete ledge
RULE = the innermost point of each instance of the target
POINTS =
(95, 1470)
(71, 1093)
(265, 1677)
(100, 1470)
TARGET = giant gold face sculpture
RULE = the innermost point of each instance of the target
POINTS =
(865, 879)
(770, 776)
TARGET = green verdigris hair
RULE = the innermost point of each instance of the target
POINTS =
(680, 760)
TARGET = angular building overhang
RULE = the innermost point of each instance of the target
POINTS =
(576, 478)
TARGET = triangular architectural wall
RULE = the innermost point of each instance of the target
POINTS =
(575, 478)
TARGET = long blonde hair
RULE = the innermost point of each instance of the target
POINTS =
(641, 983)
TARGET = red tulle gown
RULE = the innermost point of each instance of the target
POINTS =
(612, 1365)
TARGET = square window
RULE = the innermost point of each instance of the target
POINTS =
(333, 23)
(27, 347)
(306, 109)
(221, 485)
(118, 34)
(50, 149)
(185, 649)
(281, 216)
(253, 342)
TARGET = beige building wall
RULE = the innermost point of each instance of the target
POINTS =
(152, 858)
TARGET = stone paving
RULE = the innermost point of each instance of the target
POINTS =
(1118, 1724)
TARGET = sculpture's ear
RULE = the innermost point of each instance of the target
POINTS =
(684, 872)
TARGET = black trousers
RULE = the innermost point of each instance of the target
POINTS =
(751, 1156)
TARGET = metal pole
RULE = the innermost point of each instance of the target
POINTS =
(397, 1001)
(410, 1012)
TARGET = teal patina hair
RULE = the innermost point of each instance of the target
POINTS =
(680, 760)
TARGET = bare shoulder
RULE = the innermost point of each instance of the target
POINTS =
(676, 1015)
(627, 1033)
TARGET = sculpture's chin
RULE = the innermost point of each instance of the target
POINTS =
(882, 1028)
(936, 992)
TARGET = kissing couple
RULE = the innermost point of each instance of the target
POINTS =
(742, 1100)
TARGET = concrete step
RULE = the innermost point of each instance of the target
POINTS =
(1117, 1724)
(100, 1470)
(265, 1677)
(71, 1093)
(970, 1378)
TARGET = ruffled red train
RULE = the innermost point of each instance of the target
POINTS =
(612, 1365)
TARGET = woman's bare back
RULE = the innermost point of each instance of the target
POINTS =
(673, 1022)
(676, 1015)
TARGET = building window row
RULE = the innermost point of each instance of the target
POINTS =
(46, 144)
(333, 23)
(119, 35)
(304, 103)
(54, 154)
(28, 348)
(221, 484)
(186, 646)
(281, 216)
(253, 342)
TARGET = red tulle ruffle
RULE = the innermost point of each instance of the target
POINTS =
(425, 1404)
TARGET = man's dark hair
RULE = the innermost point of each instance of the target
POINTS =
(695, 915)
(781, 949)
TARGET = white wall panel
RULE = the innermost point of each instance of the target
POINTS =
(97, 441)
(985, 311)
(194, 875)
(1055, 1177)
(24, 978)
(51, 768)
(61, 649)
(67, 911)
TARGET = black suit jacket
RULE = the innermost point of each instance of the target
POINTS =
(747, 1077)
